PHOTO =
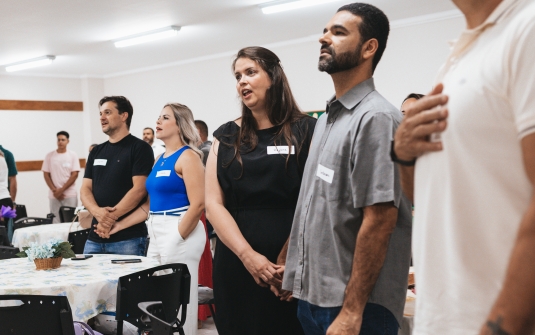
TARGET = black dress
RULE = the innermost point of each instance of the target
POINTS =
(262, 202)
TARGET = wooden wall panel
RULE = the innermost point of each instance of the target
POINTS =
(36, 165)
(29, 105)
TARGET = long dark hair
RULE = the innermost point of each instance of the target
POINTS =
(282, 109)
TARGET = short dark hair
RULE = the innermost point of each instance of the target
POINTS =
(150, 129)
(202, 127)
(416, 96)
(63, 132)
(374, 25)
(122, 104)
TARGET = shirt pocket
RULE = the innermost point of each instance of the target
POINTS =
(335, 169)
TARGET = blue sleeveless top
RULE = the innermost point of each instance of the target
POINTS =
(166, 189)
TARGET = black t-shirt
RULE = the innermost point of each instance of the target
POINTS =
(111, 167)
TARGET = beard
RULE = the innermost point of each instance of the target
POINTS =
(342, 62)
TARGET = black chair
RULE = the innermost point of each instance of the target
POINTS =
(77, 239)
(8, 253)
(206, 297)
(29, 222)
(4, 239)
(171, 286)
(66, 213)
(38, 314)
(21, 212)
(154, 309)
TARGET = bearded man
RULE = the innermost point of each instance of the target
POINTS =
(349, 249)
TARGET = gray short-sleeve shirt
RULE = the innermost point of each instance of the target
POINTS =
(348, 168)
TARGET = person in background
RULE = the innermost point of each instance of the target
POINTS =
(349, 253)
(466, 153)
(176, 200)
(409, 100)
(12, 173)
(114, 181)
(60, 169)
(204, 145)
(148, 136)
(92, 146)
(253, 175)
(5, 198)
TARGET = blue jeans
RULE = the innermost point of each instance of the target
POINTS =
(134, 246)
(376, 319)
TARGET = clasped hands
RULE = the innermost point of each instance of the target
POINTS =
(266, 273)
(106, 221)
(422, 118)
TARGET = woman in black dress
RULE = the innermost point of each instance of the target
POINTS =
(253, 176)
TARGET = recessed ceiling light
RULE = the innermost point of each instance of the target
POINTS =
(280, 6)
(148, 36)
(30, 63)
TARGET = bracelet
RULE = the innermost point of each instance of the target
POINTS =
(395, 158)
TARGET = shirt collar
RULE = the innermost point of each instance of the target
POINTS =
(354, 95)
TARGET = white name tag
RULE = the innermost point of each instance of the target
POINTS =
(163, 173)
(325, 173)
(101, 162)
(280, 149)
(66, 165)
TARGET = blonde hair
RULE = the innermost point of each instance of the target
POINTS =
(185, 122)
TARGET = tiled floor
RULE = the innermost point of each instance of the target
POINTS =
(208, 328)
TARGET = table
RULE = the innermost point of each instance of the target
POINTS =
(90, 285)
(42, 233)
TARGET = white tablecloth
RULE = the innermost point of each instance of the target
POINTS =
(90, 285)
(42, 233)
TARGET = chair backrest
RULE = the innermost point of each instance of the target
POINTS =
(7, 253)
(21, 211)
(4, 239)
(171, 286)
(77, 239)
(66, 213)
(29, 222)
(38, 314)
(154, 310)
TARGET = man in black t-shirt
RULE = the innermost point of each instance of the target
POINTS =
(114, 182)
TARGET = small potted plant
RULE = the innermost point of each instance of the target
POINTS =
(49, 255)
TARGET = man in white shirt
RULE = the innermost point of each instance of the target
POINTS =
(60, 169)
(473, 142)
(148, 136)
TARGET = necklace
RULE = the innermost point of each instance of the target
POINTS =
(164, 159)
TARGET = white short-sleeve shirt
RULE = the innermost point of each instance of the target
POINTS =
(60, 167)
(470, 197)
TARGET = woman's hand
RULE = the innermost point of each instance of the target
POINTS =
(263, 271)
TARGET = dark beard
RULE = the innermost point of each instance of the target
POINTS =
(342, 62)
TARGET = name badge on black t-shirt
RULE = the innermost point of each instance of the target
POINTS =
(101, 162)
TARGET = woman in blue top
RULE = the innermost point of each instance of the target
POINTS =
(176, 193)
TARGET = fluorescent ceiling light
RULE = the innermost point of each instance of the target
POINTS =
(280, 6)
(148, 36)
(28, 64)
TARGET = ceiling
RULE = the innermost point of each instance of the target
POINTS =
(80, 32)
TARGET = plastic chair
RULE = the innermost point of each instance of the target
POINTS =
(8, 253)
(154, 309)
(21, 212)
(4, 239)
(38, 314)
(66, 213)
(77, 239)
(171, 286)
(206, 297)
(29, 222)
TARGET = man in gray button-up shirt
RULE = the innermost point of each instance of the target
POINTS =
(349, 249)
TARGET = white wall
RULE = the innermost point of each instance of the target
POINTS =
(30, 135)
(410, 63)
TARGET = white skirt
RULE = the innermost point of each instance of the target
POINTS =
(167, 246)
